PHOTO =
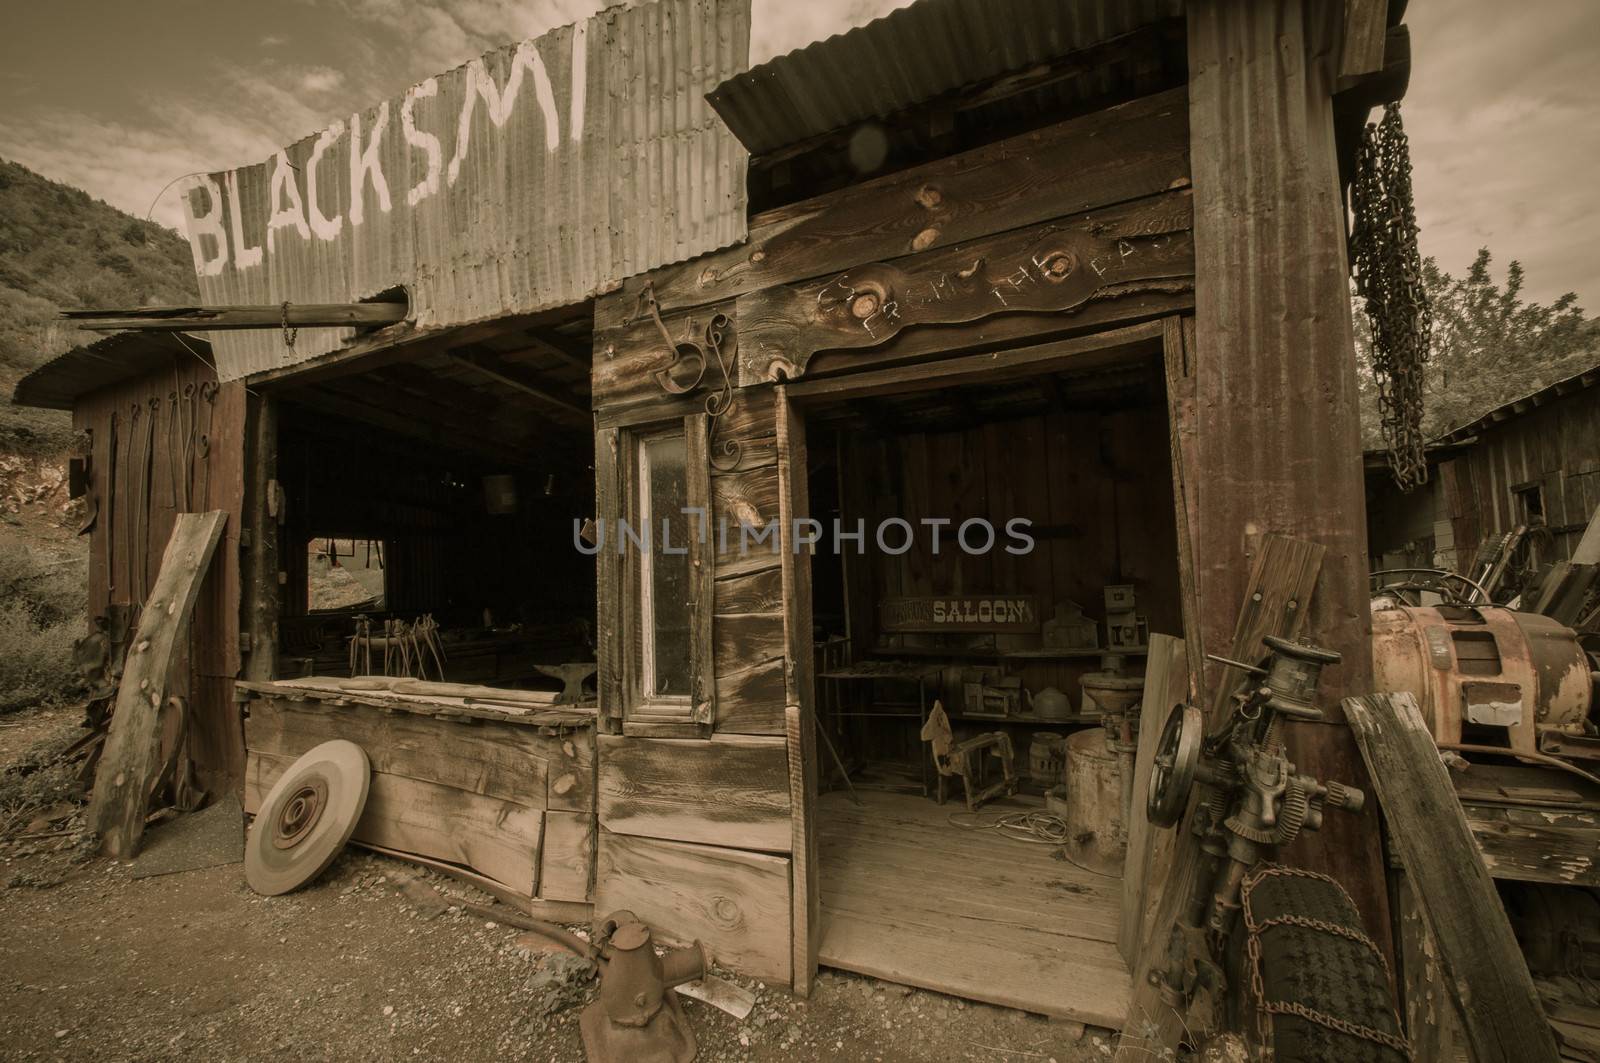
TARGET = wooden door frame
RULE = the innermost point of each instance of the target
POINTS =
(1165, 336)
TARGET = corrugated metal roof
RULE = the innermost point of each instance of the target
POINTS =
(1577, 382)
(58, 383)
(912, 55)
(535, 177)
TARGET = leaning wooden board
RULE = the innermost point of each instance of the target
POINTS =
(1485, 973)
(130, 763)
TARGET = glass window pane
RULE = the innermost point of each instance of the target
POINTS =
(666, 616)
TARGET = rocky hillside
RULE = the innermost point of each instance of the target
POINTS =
(60, 248)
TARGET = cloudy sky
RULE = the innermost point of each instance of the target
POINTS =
(119, 98)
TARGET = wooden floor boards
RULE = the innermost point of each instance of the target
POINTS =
(908, 896)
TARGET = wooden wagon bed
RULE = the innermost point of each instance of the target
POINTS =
(909, 897)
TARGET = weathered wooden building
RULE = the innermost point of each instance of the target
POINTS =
(1079, 264)
(1531, 463)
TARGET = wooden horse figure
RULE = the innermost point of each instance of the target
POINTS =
(960, 758)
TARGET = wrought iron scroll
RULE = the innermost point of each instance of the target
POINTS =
(691, 351)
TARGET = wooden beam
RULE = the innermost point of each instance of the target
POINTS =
(1099, 349)
(512, 377)
(538, 341)
(228, 318)
(1484, 969)
(1281, 442)
(130, 764)
(1361, 50)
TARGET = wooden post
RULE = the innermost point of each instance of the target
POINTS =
(800, 726)
(1275, 416)
(259, 565)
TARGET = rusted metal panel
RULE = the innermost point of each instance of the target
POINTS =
(916, 53)
(533, 177)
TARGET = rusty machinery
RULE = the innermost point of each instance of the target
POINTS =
(1490, 679)
(1255, 802)
(1117, 695)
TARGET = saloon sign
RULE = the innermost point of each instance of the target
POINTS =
(509, 185)
(978, 612)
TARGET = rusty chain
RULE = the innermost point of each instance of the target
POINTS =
(1265, 1008)
(1388, 278)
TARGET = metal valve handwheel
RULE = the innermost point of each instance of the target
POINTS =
(1172, 774)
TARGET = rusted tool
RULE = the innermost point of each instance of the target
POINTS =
(635, 1019)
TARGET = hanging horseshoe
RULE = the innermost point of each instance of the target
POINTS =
(681, 351)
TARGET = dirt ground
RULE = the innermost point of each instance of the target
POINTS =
(196, 966)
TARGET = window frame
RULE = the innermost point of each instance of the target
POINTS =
(625, 704)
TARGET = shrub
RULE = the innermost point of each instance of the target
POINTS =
(36, 664)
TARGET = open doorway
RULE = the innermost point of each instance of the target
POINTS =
(990, 537)
(428, 511)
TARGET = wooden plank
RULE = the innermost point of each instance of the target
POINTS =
(1083, 988)
(800, 721)
(739, 500)
(492, 759)
(1501, 1012)
(500, 839)
(571, 773)
(1276, 602)
(1541, 845)
(1134, 149)
(732, 790)
(1060, 266)
(130, 761)
(760, 591)
(989, 917)
(1150, 850)
(736, 902)
(567, 857)
(750, 700)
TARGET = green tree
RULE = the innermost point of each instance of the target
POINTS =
(1490, 345)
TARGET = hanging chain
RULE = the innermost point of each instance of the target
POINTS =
(289, 334)
(1388, 276)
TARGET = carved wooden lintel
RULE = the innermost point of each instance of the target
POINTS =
(1057, 266)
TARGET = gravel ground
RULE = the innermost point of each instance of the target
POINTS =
(196, 966)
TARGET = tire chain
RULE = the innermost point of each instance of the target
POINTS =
(1265, 1008)
(1388, 277)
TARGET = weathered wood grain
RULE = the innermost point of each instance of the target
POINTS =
(567, 856)
(739, 501)
(732, 790)
(570, 772)
(629, 352)
(1135, 149)
(736, 902)
(758, 591)
(500, 839)
(130, 761)
(1537, 845)
(1057, 266)
(1485, 973)
(750, 700)
(744, 639)
(495, 760)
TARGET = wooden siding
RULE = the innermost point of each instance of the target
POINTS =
(1555, 446)
(166, 443)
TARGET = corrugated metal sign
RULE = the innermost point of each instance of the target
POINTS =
(535, 176)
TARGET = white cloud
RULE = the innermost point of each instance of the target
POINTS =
(321, 79)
